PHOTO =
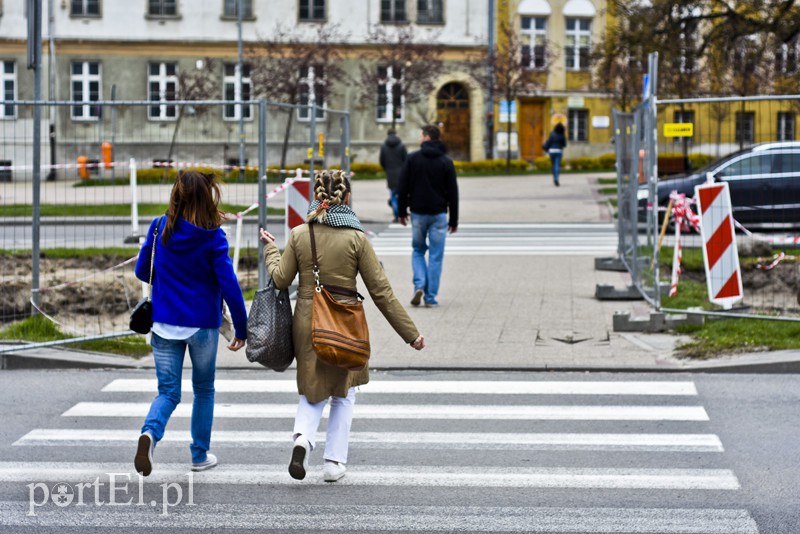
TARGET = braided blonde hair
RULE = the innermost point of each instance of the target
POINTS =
(331, 188)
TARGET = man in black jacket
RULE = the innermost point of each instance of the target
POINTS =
(428, 186)
(393, 155)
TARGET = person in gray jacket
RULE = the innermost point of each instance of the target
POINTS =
(393, 155)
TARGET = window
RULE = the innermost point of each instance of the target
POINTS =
(312, 92)
(232, 91)
(785, 126)
(786, 57)
(162, 8)
(85, 8)
(231, 9)
(162, 86)
(390, 94)
(789, 162)
(686, 116)
(85, 87)
(393, 10)
(745, 127)
(430, 12)
(578, 43)
(534, 42)
(748, 166)
(312, 10)
(8, 89)
(577, 125)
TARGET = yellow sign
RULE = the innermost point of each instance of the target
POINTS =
(310, 152)
(321, 145)
(679, 129)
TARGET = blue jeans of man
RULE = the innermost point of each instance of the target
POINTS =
(428, 233)
(393, 201)
(555, 159)
(168, 355)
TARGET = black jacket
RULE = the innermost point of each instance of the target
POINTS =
(428, 183)
(556, 141)
(393, 155)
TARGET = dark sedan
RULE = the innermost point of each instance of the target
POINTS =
(764, 182)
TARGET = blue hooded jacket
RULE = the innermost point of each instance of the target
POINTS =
(192, 274)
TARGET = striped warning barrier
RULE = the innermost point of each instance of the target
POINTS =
(720, 254)
(297, 200)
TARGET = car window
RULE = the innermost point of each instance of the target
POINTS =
(761, 164)
(789, 162)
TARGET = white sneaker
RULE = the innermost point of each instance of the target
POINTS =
(210, 462)
(298, 465)
(143, 461)
(333, 471)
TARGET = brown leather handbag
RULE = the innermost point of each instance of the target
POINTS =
(339, 332)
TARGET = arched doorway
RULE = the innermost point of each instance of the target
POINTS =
(452, 111)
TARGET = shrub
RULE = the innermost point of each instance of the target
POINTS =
(543, 163)
(490, 165)
(366, 168)
(607, 161)
(700, 160)
(584, 164)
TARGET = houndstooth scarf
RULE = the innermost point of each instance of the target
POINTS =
(339, 216)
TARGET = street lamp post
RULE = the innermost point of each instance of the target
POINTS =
(239, 86)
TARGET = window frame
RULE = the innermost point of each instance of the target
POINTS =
(782, 115)
(83, 14)
(311, 8)
(431, 8)
(5, 77)
(576, 34)
(309, 80)
(233, 15)
(573, 130)
(741, 118)
(163, 80)
(238, 93)
(162, 5)
(530, 34)
(388, 83)
(85, 78)
(393, 10)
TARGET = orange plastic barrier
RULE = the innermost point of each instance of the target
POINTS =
(107, 152)
(83, 170)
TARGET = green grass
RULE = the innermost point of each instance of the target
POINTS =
(69, 210)
(613, 202)
(38, 328)
(608, 190)
(607, 181)
(722, 336)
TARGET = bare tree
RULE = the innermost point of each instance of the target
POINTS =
(400, 70)
(517, 69)
(289, 68)
(200, 83)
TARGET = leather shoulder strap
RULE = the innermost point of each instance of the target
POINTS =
(315, 268)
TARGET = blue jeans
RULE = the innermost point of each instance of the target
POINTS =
(428, 233)
(168, 355)
(555, 159)
(393, 200)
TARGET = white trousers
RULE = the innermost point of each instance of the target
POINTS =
(339, 422)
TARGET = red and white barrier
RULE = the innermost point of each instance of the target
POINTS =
(297, 200)
(720, 254)
(684, 217)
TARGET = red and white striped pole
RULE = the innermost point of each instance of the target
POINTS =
(297, 200)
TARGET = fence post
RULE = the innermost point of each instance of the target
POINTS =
(262, 186)
(134, 200)
(344, 123)
(652, 135)
(313, 134)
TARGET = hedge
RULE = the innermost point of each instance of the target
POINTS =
(491, 165)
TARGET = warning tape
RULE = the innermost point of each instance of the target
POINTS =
(87, 277)
(153, 164)
(684, 218)
(65, 166)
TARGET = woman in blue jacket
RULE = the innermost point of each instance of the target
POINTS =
(192, 274)
(554, 146)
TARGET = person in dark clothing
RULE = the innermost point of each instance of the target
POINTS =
(554, 146)
(428, 187)
(393, 155)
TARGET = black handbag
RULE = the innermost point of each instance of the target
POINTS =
(269, 329)
(142, 315)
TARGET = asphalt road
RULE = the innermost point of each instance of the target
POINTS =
(430, 452)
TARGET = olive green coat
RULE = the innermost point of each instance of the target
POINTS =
(342, 254)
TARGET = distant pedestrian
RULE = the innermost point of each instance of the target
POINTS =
(554, 146)
(393, 155)
(428, 187)
(192, 274)
(344, 252)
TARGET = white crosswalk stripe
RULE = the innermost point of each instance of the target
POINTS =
(559, 419)
(509, 240)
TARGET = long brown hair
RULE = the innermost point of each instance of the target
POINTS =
(195, 197)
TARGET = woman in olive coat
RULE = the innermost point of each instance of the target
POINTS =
(343, 252)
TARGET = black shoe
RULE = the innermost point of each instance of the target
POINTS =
(415, 301)
(143, 462)
(298, 465)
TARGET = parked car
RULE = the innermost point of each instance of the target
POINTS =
(764, 182)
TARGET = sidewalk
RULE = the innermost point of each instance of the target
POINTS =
(517, 312)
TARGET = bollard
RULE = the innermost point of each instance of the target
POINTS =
(83, 170)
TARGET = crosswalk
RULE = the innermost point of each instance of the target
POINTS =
(523, 239)
(515, 456)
